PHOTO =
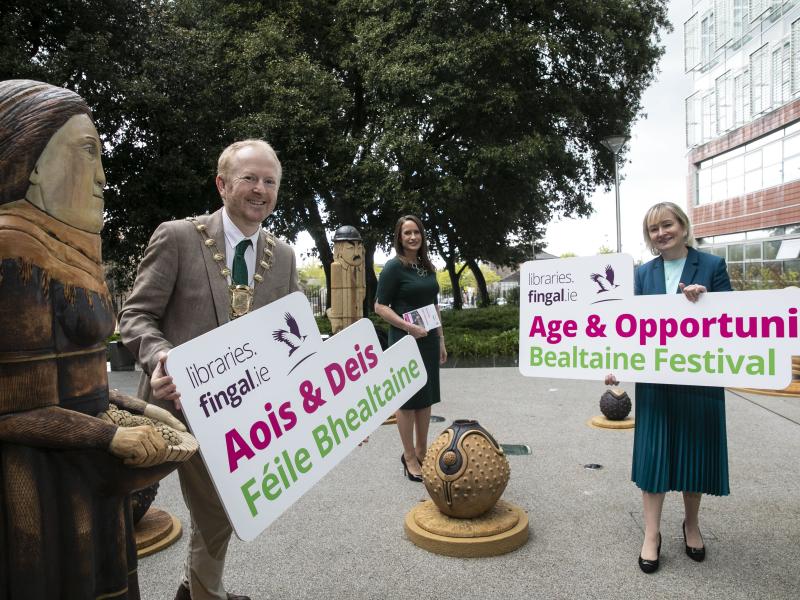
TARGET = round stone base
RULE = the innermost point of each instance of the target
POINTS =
(157, 530)
(501, 530)
(600, 422)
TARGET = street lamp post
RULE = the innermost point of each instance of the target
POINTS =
(615, 144)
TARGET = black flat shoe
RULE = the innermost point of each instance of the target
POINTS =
(407, 473)
(696, 554)
(651, 566)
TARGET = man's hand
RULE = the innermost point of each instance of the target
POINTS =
(162, 385)
(159, 414)
(138, 446)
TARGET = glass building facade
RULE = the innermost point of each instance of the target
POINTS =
(744, 60)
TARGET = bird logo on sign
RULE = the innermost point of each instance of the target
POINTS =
(291, 335)
(604, 282)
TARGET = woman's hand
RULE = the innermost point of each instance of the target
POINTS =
(416, 331)
(611, 380)
(442, 352)
(693, 291)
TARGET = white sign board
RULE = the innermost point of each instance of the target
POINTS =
(579, 319)
(274, 408)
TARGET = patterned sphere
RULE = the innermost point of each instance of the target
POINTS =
(615, 404)
(465, 470)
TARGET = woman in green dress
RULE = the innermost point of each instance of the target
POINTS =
(408, 282)
(680, 442)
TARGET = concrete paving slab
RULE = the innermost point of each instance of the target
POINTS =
(344, 539)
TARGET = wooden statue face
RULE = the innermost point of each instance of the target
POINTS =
(350, 252)
(67, 181)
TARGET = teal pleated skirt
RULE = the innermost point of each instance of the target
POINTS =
(429, 350)
(680, 442)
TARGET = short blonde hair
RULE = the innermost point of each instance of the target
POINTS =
(224, 160)
(656, 213)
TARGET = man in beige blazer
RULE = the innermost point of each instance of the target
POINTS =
(183, 289)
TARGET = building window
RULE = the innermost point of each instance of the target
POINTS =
(741, 98)
(722, 26)
(709, 117)
(707, 38)
(759, 86)
(770, 160)
(796, 56)
(770, 263)
(741, 18)
(693, 120)
(691, 44)
(724, 92)
(781, 74)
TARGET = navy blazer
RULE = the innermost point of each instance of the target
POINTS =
(702, 268)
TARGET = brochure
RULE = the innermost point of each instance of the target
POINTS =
(425, 316)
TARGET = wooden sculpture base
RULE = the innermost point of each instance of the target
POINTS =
(157, 530)
(600, 422)
(501, 530)
(793, 391)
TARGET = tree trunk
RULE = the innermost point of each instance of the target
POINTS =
(483, 292)
(369, 277)
(454, 278)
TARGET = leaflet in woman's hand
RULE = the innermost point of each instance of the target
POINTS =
(425, 316)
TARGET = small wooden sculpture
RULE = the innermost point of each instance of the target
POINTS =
(347, 279)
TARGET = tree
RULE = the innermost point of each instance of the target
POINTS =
(484, 119)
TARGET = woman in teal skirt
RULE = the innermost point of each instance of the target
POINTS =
(680, 442)
(408, 282)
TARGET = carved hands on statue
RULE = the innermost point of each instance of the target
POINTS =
(611, 379)
(162, 385)
(140, 446)
(693, 291)
(159, 414)
(417, 331)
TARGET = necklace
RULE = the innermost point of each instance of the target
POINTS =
(241, 295)
(421, 271)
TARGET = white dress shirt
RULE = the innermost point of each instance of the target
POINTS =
(232, 238)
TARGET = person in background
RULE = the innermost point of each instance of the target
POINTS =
(680, 442)
(408, 282)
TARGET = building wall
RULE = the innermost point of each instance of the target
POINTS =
(743, 132)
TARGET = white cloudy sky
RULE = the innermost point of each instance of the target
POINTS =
(656, 165)
(655, 170)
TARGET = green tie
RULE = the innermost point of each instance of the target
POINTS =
(239, 276)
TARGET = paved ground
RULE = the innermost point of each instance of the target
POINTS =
(344, 539)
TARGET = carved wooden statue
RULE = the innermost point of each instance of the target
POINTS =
(65, 474)
(348, 286)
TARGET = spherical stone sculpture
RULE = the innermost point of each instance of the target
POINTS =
(465, 471)
(615, 404)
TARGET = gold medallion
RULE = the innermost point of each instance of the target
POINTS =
(241, 300)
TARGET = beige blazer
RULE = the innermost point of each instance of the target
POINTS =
(179, 293)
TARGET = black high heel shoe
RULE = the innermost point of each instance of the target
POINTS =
(696, 554)
(651, 566)
(407, 473)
